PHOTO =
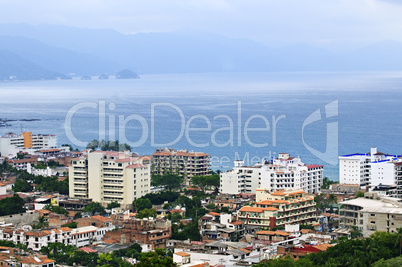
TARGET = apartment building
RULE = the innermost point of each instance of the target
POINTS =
(106, 176)
(372, 169)
(371, 213)
(285, 172)
(182, 162)
(11, 143)
(35, 240)
(279, 209)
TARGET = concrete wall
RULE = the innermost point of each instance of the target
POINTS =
(26, 218)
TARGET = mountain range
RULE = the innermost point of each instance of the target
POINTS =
(53, 51)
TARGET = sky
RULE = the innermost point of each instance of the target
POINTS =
(333, 24)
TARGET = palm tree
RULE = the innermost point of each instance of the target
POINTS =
(41, 223)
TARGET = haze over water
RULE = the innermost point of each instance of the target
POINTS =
(368, 111)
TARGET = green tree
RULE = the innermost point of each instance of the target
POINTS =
(93, 145)
(113, 204)
(145, 213)
(142, 203)
(21, 186)
(77, 215)
(206, 182)
(157, 258)
(327, 182)
(105, 259)
(95, 207)
(398, 240)
(11, 205)
(41, 223)
(71, 225)
(56, 209)
(394, 262)
(359, 194)
(169, 181)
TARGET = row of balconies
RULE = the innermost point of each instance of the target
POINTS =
(80, 186)
(112, 181)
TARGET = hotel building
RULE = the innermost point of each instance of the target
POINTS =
(372, 169)
(106, 176)
(186, 164)
(285, 172)
(11, 143)
(279, 208)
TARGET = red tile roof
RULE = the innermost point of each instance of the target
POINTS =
(86, 249)
(312, 166)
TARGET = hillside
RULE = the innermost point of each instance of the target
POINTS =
(14, 67)
(96, 51)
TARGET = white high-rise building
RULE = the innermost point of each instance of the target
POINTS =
(371, 169)
(285, 172)
(11, 143)
(106, 176)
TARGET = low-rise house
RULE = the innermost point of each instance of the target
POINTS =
(154, 232)
(37, 261)
(85, 236)
(216, 226)
(57, 220)
(36, 239)
(272, 236)
(96, 220)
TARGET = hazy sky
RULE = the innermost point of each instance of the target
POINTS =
(329, 23)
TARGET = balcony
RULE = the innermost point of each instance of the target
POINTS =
(112, 182)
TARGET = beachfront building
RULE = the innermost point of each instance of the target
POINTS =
(279, 208)
(371, 213)
(11, 143)
(186, 164)
(372, 169)
(106, 176)
(285, 172)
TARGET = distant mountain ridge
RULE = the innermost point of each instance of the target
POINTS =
(93, 52)
(13, 67)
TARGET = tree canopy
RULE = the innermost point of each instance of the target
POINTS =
(169, 181)
(206, 182)
(11, 205)
(108, 145)
(142, 203)
(95, 207)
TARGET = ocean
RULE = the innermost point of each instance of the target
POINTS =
(246, 116)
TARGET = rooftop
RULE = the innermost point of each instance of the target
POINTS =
(372, 205)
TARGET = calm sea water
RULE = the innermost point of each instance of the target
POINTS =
(368, 112)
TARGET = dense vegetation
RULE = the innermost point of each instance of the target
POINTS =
(160, 197)
(107, 145)
(95, 208)
(11, 205)
(373, 251)
(70, 255)
(169, 181)
(206, 182)
(56, 209)
(25, 180)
